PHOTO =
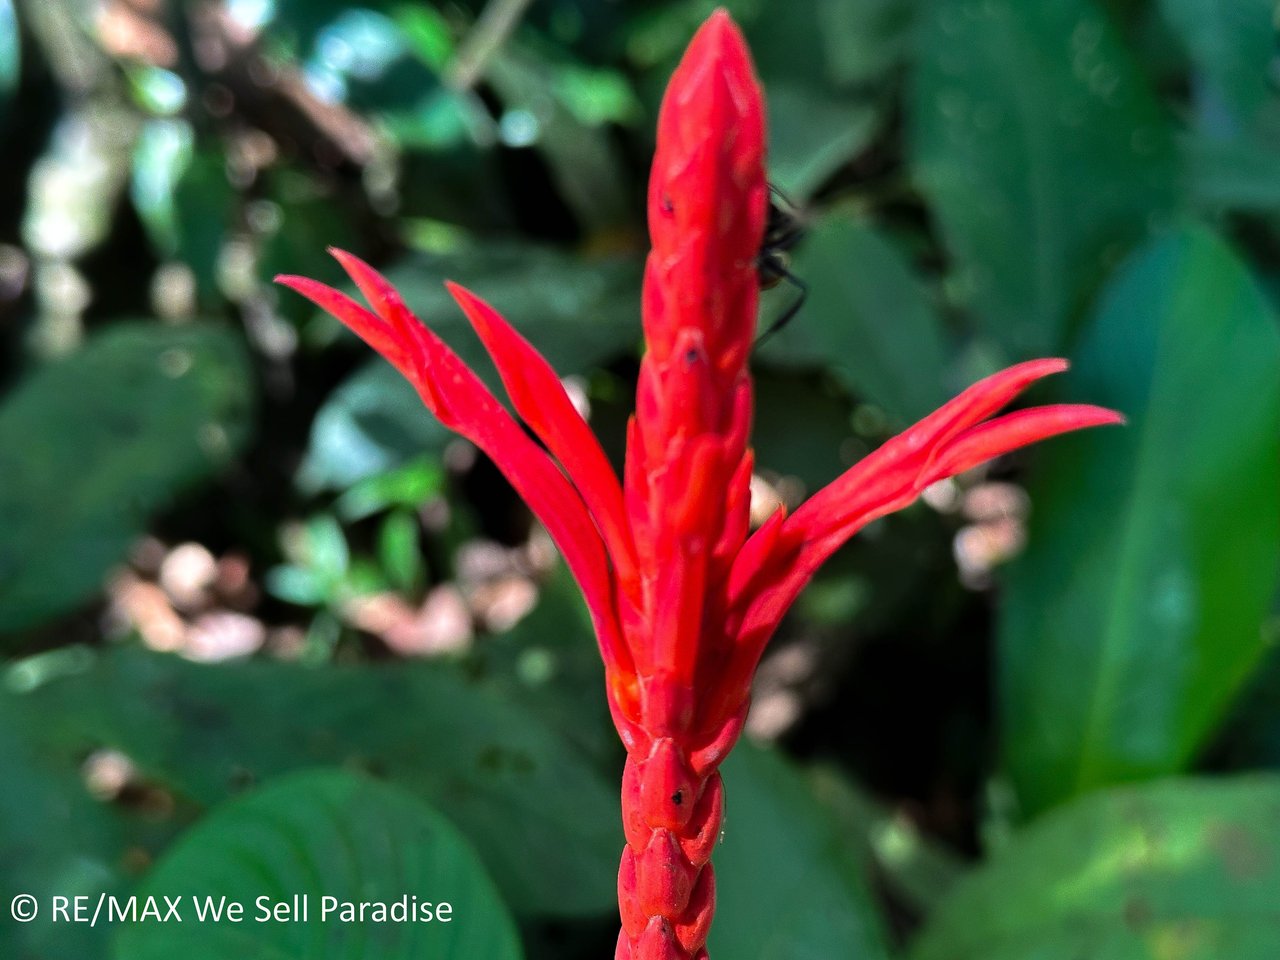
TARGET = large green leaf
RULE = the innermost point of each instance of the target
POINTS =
(866, 317)
(789, 884)
(317, 835)
(550, 663)
(1181, 869)
(54, 839)
(1044, 153)
(92, 446)
(543, 819)
(1136, 612)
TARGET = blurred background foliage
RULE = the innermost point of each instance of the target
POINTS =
(265, 627)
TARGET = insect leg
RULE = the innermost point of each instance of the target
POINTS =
(791, 311)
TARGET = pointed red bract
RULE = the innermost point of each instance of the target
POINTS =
(682, 599)
(542, 402)
(461, 402)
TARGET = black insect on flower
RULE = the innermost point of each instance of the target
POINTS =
(783, 229)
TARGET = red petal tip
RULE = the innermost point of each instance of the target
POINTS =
(720, 18)
(1108, 418)
(345, 258)
(459, 292)
(717, 35)
(304, 285)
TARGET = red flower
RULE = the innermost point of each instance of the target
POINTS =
(682, 597)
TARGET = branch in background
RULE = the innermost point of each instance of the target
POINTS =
(493, 28)
(234, 75)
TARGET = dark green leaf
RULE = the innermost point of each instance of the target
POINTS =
(1183, 868)
(802, 428)
(322, 834)
(550, 663)
(867, 318)
(812, 135)
(789, 884)
(93, 445)
(1233, 46)
(1251, 737)
(866, 39)
(1044, 152)
(1136, 612)
(55, 839)
(301, 217)
(824, 105)
(203, 210)
(1234, 175)
(543, 819)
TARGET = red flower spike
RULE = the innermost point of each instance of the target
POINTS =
(683, 601)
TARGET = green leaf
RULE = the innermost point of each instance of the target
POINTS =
(1234, 175)
(289, 218)
(373, 423)
(1044, 153)
(408, 487)
(203, 208)
(789, 884)
(866, 39)
(55, 839)
(812, 134)
(826, 100)
(578, 313)
(316, 835)
(867, 318)
(546, 662)
(815, 453)
(400, 551)
(161, 157)
(1136, 613)
(93, 445)
(1182, 869)
(544, 821)
(1232, 46)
